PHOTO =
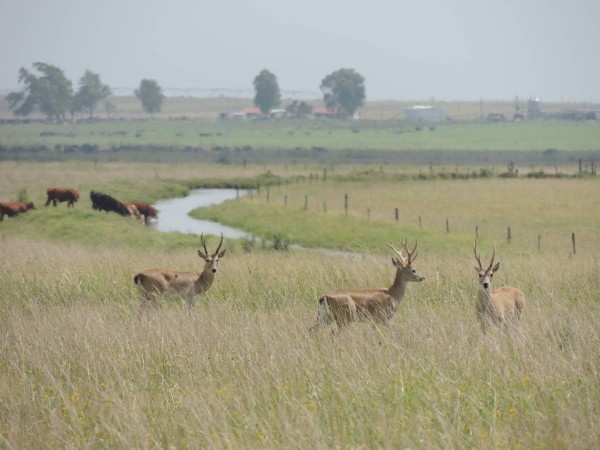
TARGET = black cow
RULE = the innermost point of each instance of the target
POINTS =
(104, 202)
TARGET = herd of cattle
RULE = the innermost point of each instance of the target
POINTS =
(100, 202)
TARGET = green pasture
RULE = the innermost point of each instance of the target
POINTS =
(290, 134)
(84, 367)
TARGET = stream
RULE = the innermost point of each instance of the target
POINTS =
(173, 213)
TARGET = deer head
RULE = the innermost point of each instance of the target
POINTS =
(404, 265)
(211, 260)
(485, 275)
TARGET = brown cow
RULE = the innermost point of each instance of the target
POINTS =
(146, 210)
(11, 209)
(60, 194)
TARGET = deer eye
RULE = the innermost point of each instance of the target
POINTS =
(480, 275)
(414, 271)
(491, 275)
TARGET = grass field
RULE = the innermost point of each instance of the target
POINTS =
(290, 134)
(82, 368)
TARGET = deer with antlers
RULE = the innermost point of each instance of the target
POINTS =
(501, 306)
(369, 305)
(155, 283)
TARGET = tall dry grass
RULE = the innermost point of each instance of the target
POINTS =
(81, 367)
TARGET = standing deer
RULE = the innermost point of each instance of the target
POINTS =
(501, 306)
(369, 305)
(155, 283)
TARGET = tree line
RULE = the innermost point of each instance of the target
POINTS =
(47, 90)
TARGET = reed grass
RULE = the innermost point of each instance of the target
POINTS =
(82, 367)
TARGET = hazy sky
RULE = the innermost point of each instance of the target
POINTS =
(405, 49)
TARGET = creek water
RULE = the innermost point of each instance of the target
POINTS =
(173, 214)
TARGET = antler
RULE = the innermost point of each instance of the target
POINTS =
(411, 255)
(411, 258)
(203, 242)
(478, 258)
(220, 243)
(476, 255)
(402, 258)
(493, 256)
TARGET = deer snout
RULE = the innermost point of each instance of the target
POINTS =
(214, 270)
(486, 285)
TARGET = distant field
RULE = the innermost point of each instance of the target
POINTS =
(289, 134)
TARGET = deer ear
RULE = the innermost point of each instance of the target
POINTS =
(477, 269)
(202, 255)
(395, 262)
(222, 253)
(496, 267)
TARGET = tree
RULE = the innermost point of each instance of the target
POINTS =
(343, 91)
(267, 91)
(298, 110)
(51, 92)
(90, 92)
(151, 96)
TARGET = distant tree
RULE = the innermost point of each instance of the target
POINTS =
(151, 96)
(267, 91)
(343, 91)
(298, 110)
(91, 91)
(51, 92)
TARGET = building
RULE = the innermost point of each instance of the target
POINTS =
(421, 113)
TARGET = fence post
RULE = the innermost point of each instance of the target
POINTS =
(419, 221)
(476, 231)
(508, 235)
(447, 226)
(305, 202)
(396, 214)
(346, 203)
(574, 246)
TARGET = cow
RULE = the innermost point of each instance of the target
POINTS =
(60, 194)
(147, 211)
(11, 209)
(104, 202)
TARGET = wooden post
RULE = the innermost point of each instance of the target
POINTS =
(396, 214)
(447, 226)
(346, 203)
(476, 231)
(419, 221)
(508, 235)
(574, 246)
(305, 202)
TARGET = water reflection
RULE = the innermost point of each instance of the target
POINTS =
(173, 213)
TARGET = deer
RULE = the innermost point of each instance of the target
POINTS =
(369, 305)
(155, 283)
(501, 306)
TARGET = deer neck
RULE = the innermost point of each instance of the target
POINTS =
(398, 289)
(204, 281)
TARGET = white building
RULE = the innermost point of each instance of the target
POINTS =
(421, 113)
